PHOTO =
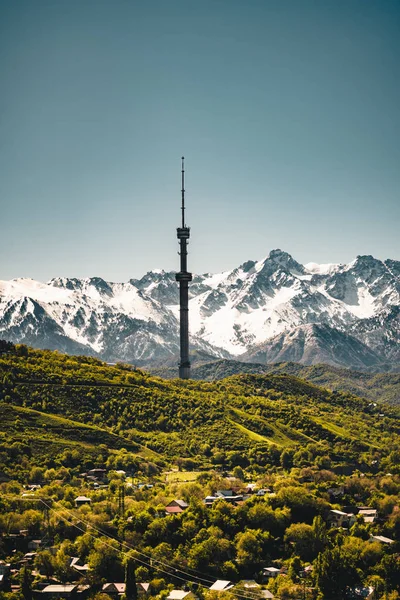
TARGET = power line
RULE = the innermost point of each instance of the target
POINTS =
(150, 560)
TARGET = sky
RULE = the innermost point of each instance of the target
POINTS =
(287, 113)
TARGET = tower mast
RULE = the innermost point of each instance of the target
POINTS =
(183, 277)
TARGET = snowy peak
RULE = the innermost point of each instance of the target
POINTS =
(331, 312)
(285, 261)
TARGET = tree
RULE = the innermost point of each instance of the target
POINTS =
(142, 573)
(302, 537)
(320, 534)
(238, 473)
(104, 560)
(25, 577)
(62, 563)
(250, 547)
(44, 562)
(335, 572)
(130, 579)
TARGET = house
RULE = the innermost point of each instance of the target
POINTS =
(32, 487)
(176, 506)
(34, 544)
(145, 486)
(306, 572)
(380, 538)
(335, 492)
(250, 488)
(269, 572)
(221, 585)
(115, 590)
(4, 575)
(143, 588)
(265, 594)
(367, 593)
(181, 595)
(28, 558)
(209, 500)
(69, 590)
(229, 496)
(250, 584)
(369, 515)
(81, 500)
(77, 564)
(99, 474)
(338, 518)
(263, 491)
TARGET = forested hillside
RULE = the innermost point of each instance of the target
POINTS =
(269, 471)
(206, 423)
(378, 387)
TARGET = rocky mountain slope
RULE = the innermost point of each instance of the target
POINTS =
(271, 310)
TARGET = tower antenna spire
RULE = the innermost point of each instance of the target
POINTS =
(184, 278)
(183, 191)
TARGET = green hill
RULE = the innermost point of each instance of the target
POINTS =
(52, 402)
(377, 387)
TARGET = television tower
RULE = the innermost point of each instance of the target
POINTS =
(183, 234)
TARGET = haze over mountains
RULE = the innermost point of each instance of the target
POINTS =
(272, 310)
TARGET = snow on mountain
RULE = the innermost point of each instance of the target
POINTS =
(323, 269)
(311, 344)
(231, 313)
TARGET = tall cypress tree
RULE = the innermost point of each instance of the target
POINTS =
(26, 583)
(130, 580)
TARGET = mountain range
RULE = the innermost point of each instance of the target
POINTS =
(266, 311)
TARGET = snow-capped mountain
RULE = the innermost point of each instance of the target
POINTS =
(275, 309)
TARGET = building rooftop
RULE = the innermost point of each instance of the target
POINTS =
(59, 588)
(221, 585)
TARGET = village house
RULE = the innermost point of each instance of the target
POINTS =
(369, 515)
(250, 584)
(69, 590)
(143, 589)
(28, 558)
(335, 493)
(176, 506)
(121, 473)
(34, 544)
(4, 574)
(114, 590)
(221, 585)
(78, 564)
(81, 500)
(381, 538)
(209, 500)
(338, 518)
(100, 474)
(265, 594)
(227, 495)
(181, 595)
(306, 572)
(269, 572)
(367, 593)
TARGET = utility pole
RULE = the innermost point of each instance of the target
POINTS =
(121, 500)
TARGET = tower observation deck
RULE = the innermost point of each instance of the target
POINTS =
(183, 278)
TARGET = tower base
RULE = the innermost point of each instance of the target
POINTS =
(184, 371)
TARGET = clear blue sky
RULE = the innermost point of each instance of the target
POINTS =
(287, 112)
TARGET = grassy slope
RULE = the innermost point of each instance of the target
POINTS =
(46, 434)
(176, 418)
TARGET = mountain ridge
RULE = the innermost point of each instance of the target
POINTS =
(342, 314)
